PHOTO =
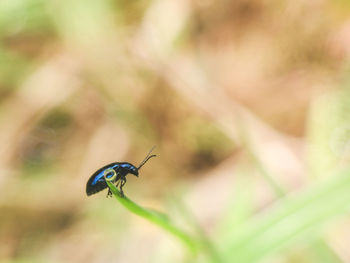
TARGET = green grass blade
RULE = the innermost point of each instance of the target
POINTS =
(322, 252)
(208, 247)
(156, 218)
(291, 220)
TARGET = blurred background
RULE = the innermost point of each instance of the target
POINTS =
(247, 102)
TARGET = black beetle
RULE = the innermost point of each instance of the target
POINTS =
(114, 172)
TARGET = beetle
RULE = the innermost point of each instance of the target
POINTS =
(116, 173)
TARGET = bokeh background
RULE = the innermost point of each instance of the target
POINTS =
(247, 102)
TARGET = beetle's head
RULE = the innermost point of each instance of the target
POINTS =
(133, 170)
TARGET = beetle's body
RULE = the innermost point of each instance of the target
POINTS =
(97, 182)
(114, 172)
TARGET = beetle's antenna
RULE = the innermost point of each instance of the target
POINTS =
(147, 158)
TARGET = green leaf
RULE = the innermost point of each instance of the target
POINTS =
(291, 220)
(157, 218)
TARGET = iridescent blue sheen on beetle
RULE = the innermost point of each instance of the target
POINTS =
(120, 170)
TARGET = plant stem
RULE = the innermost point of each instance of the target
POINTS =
(157, 218)
(206, 243)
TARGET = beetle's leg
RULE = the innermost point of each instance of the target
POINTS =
(109, 194)
(117, 183)
(123, 181)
